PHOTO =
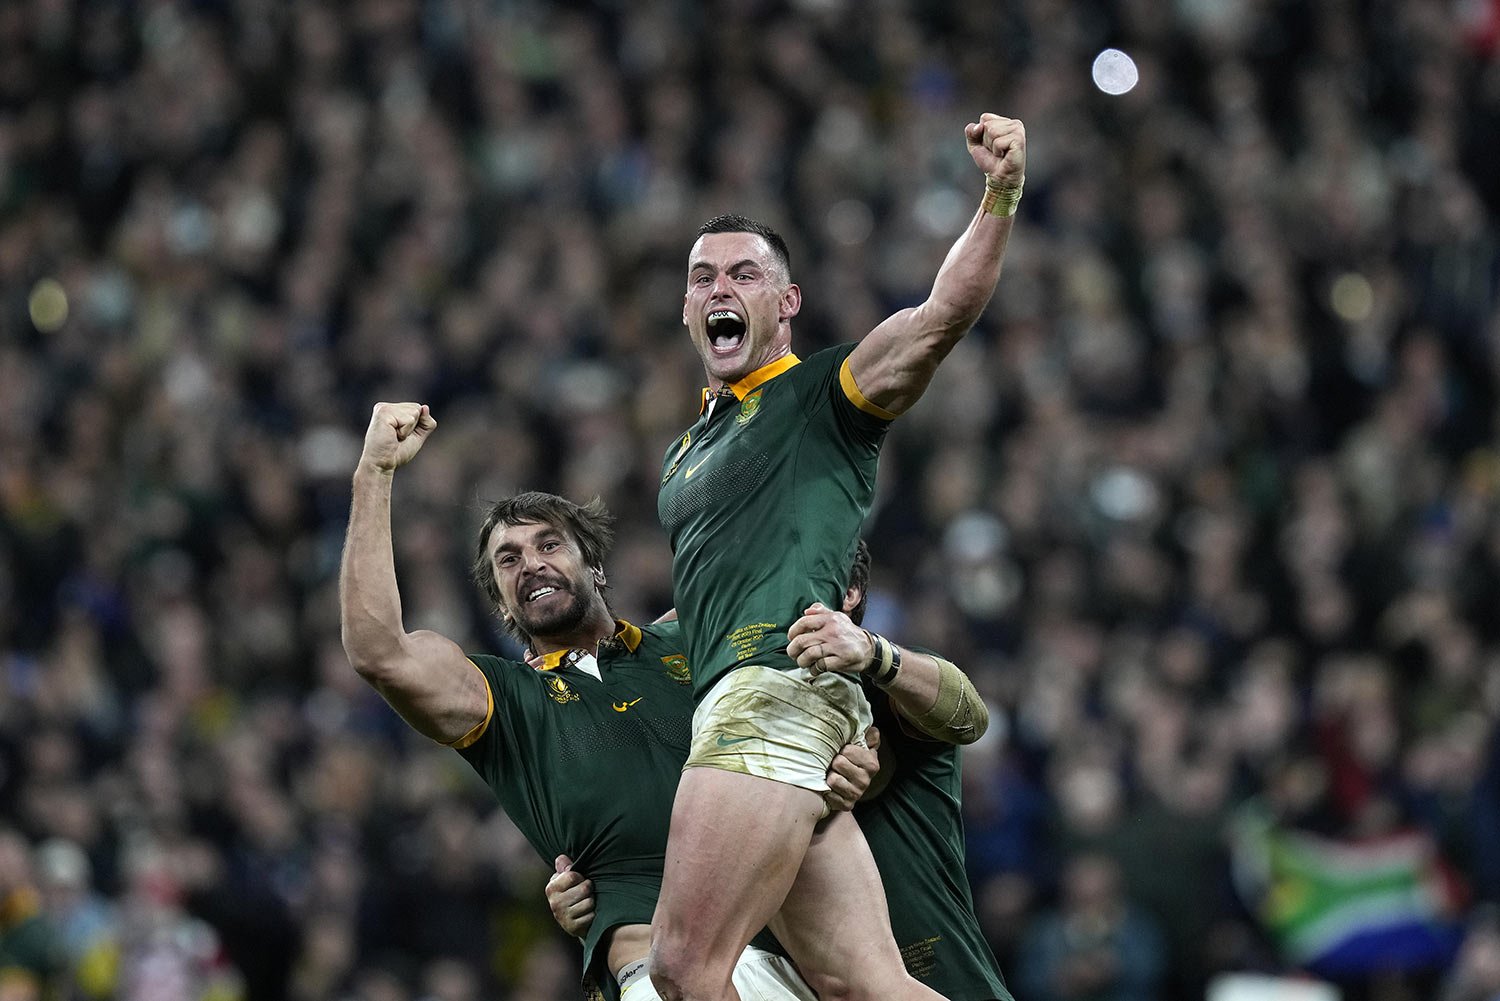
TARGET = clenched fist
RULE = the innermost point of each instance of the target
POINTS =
(998, 146)
(397, 432)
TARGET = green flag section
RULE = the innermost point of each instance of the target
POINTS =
(1345, 907)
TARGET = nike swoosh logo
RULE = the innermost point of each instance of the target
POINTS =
(620, 707)
(731, 741)
(687, 474)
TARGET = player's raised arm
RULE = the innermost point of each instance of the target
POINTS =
(424, 676)
(894, 363)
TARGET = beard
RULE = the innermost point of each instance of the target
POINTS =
(557, 619)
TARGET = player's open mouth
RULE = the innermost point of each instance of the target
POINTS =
(539, 594)
(725, 330)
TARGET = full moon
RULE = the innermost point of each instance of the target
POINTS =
(1115, 72)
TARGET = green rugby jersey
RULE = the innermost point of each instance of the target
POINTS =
(587, 767)
(916, 833)
(762, 500)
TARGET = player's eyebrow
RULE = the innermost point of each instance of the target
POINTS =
(736, 266)
(506, 546)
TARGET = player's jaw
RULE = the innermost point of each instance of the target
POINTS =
(550, 608)
(732, 341)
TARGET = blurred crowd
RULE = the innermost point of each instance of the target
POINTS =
(1208, 503)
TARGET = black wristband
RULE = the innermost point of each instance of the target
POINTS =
(885, 660)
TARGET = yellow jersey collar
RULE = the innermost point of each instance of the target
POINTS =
(764, 374)
(747, 385)
(629, 634)
(626, 633)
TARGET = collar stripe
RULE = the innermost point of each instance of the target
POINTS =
(626, 633)
(748, 384)
(764, 374)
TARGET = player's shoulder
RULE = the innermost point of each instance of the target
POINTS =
(663, 643)
(502, 672)
(824, 360)
(488, 662)
(817, 377)
(664, 634)
(662, 649)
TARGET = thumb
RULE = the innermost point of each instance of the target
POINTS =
(562, 863)
(872, 738)
(816, 606)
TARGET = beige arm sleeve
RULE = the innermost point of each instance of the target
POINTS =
(959, 716)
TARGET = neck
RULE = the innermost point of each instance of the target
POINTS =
(780, 349)
(597, 628)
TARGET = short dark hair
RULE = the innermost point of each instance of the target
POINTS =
(735, 223)
(589, 525)
(859, 576)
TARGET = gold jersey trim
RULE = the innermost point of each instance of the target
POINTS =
(484, 724)
(851, 390)
(764, 374)
(625, 632)
(629, 634)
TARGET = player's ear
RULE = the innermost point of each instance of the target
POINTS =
(852, 597)
(791, 302)
(598, 573)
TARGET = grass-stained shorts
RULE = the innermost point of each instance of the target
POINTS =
(782, 725)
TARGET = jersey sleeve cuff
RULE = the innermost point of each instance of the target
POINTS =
(851, 390)
(484, 724)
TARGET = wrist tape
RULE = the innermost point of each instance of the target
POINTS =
(885, 660)
(999, 199)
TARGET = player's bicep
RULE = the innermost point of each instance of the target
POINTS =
(440, 692)
(892, 365)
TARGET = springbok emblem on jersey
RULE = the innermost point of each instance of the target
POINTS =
(560, 691)
(749, 408)
(677, 669)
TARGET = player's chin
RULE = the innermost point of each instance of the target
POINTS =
(732, 368)
(548, 621)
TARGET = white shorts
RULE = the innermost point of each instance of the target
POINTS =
(781, 725)
(758, 976)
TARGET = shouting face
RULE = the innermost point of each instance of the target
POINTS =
(739, 304)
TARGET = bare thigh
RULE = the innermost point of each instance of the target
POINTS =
(834, 921)
(735, 846)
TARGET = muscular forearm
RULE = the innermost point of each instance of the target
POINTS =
(966, 281)
(369, 600)
(904, 352)
(938, 699)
